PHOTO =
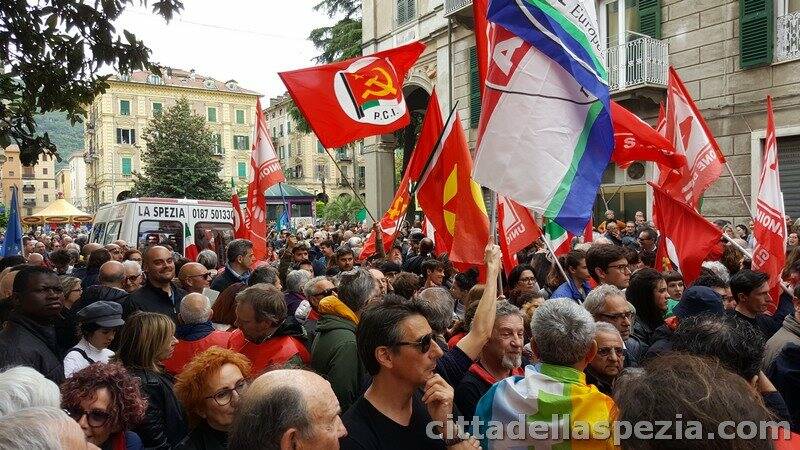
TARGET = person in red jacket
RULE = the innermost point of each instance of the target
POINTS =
(264, 334)
(195, 333)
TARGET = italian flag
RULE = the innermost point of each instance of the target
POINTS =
(557, 237)
(190, 252)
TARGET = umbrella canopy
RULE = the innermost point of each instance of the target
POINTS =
(60, 211)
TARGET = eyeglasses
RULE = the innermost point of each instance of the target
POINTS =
(527, 280)
(621, 267)
(206, 275)
(325, 293)
(618, 316)
(133, 278)
(423, 345)
(605, 352)
(224, 396)
(95, 418)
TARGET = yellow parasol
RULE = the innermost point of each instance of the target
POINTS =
(60, 211)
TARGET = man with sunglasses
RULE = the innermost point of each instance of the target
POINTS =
(407, 405)
(315, 290)
(607, 304)
(28, 337)
(194, 277)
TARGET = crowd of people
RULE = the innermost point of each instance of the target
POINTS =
(317, 346)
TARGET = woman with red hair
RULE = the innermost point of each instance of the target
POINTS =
(209, 387)
(107, 402)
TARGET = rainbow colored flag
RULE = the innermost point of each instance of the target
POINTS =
(558, 410)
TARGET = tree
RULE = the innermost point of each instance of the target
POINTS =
(342, 209)
(178, 161)
(52, 51)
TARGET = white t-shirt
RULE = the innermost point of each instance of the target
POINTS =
(74, 361)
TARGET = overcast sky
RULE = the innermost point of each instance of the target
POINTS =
(246, 40)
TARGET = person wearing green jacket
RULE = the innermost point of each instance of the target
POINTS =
(334, 354)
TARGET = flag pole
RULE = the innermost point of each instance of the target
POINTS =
(739, 188)
(428, 162)
(352, 188)
(493, 236)
(749, 255)
(285, 206)
(555, 259)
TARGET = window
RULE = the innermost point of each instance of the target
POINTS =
(124, 107)
(126, 136)
(240, 116)
(288, 127)
(154, 79)
(45, 185)
(241, 142)
(321, 172)
(281, 154)
(209, 84)
(362, 176)
(474, 89)
(213, 236)
(216, 148)
(112, 232)
(299, 148)
(98, 231)
(126, 167)
(281, 133)
(405, 11)
(159, 232)
(242, 170)
(320, 147)
(46, 198)
(212, 114)
(44, 170)
(157, 107)
(289, 150)
(274, 132)
(361, 148)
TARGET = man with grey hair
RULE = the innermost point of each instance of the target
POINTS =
(564, 342)
(195, 333)
(606, 303)
(285, 410)
(295, 281)
(500, 358)
(133, 276)
(607, 364)
(42, 428)
(334, 354)
(439, 306)
(24, 387)
(315, 290)
(209, 260)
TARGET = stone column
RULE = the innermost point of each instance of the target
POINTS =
(379, 162)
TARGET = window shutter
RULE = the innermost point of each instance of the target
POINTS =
(756, 33)
(650, 18)
(126, 166)
(240, 116)
(474, 89)
(119, 135)
(133, 136)
(401, 11)
(246, 142)
(242, 170)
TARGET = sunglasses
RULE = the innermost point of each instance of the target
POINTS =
(206, 275)
(95, 418)
(326, 292)
(423, 345)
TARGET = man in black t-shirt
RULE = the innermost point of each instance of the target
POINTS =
(751, 291)
(408, 405)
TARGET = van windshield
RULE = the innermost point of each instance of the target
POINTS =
(160, 232)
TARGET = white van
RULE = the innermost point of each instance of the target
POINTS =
(178, 223)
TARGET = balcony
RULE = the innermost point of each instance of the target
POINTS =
(640, 64)
(343, 183)
(787, 36)
(342, 155)
(460, 11)
(29, 202)
(28, 189)
(217, 151)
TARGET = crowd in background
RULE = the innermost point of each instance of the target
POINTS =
(316, 346)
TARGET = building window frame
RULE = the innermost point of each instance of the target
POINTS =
(241, 142)
(126, 136)
(124, 107)
(241, 169)
(211, 114)
(126, 166)
(157, 111)
(240, 118)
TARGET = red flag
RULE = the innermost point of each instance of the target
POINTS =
(635, 140)
(770, 224)
(686, 236)
(480, 9)
(451, 200)
(516, 229)
(588, 232)
(356, 98)
(689, 134)
(241, 230)
(266, 171)
(429, 134)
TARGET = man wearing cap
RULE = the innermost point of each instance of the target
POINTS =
(695, 301)
(99, 323)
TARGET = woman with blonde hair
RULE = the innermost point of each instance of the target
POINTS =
(210, 387)
(146, 340)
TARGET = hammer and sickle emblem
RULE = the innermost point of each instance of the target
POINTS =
(397, 207)
(386, 86)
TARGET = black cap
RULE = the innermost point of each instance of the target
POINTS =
(103, 313)
(390, 267)
(699, 300)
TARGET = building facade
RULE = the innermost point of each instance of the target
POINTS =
(77, 174)
(118, 118)
(305, 162)
(36, 184)
(730, 54)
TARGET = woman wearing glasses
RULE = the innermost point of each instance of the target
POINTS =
(146, 340)
(106, 402)
(210, 387)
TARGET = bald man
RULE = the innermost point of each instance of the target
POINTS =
(287, 409)
(35, 259)
(194, 277)
(195, 333)
(110, 286)
(158, 293)
(117, 253)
